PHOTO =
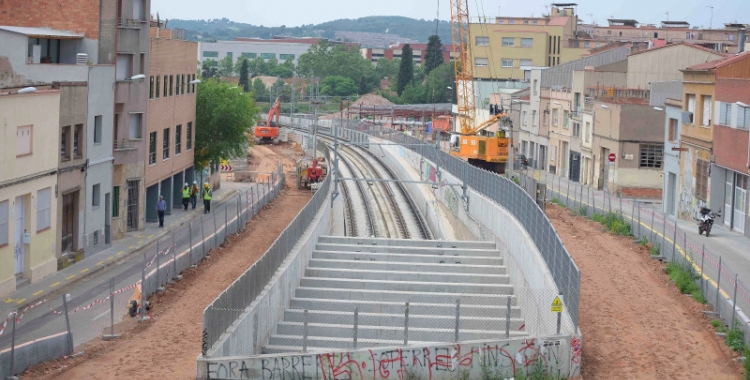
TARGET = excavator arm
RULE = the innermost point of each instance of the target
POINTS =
(273, 113)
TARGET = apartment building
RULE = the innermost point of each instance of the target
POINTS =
(170, 129)
(667, 95)
(29, 125)
(418, 53)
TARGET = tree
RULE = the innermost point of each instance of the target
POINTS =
(437, 83)
(238, 64)
(226, 67)
(258, 66)
(323, 60)
(259, 90)
(209, 69)
(284, 70)
(223, 117)
(406, 70)
(433, 57)
(243, 75)
(337, 85)
(385, 68)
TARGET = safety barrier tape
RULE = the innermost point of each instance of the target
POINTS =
(2, 329)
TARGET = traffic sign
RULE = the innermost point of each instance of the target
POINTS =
(612, 157)
(226, 168)
(557, 305)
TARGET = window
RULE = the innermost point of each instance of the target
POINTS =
(43, 199)
(587, 137)
(652, 155)
(523, 118)
(483, 41)
(250, 55)
(576, 130)
(64, 141)
(587, 44)
(4, 217)
(525, 62)
(193, 85)
(124, 68)
(182, 86)
(565, 119)
(152, 148)
(507, 62)
(534, 119)
(136, 120)
(211, 54)
(98, 129)
(78, 141)
(526, 22)
(554, 117)
(230, 55)
(95, 195)
(672, 130)
(725, 113)
(552, 152)
(115, 201)
(691, 103)
(171, 84)
(267, 55)
(701, 176)
(481, 62)
(743, 117)
(706, 99)
(509, 41)
(143, 64)
(23, 140)
(533, 89)
(151, 87)
(158, 86)
(178, 139)
(284, 57)
(165, 145)
(527, 42)
(189, 135)
(511, 21)
(533, 22)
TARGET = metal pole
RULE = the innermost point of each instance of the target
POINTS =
(567, 194)
(674, 242)
(356, 326)
(507, 320)
(143, 285)
(653, 214)
(226, 222)
(718, 289)
(734, 300)
(703, 258)
(216, 232)
(158, 264)
(663, 235)
(112, 306)
(174, 257)
(458, 318)
(304, 332)
(685, 247)
(13, 344)
(203, 240)
(67, 321)
(406, 324)
(190, 241)
(640, 232)
(559, 321)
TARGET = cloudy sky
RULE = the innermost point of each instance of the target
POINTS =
(299, 12)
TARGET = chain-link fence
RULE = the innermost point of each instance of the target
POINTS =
(52, 328)
(719, 285)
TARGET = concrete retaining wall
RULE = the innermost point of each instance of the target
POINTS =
(35, 352)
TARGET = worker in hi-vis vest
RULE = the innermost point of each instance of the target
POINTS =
(185, 196)
(206, 198)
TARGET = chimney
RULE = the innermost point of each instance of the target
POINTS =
(741, 43)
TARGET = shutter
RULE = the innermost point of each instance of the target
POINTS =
(706, 110)
(722, 113)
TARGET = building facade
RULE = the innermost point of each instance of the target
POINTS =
(170, 131)
(29, 125)
(251, 49)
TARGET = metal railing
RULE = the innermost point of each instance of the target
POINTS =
(124, 144)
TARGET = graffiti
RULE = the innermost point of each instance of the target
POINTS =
(510, 357)
(451, 199)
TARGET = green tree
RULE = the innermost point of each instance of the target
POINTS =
(387, 69)
(405, 70)
(223, 117)
(323, 60)
(226, 67)
(244, 83)
(437, 83)
(260, 92)
(209, 69)
(433, 57)
(337, 85)
(271, 66)
(238, 64)
(258, 67)
(412, 95)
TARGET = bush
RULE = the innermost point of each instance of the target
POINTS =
(655, 249)
(736, 339)
(613, 223)
(684, 279)
(583, 211)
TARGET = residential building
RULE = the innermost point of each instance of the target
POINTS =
(511, 46)
(730, 169)
(170, 130)
(664, 63)
(667, 95)
(281, 51)
(418, 53)
(29, 124)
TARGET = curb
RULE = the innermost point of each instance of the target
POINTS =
(114, 262)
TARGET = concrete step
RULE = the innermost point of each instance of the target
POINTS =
(408, 274)
(445, 307)
(356, 295)
(444, 321)
(325, 345)
(408, 286)
(449, 266)
(448, 252)
(406, 242)
(408, 258)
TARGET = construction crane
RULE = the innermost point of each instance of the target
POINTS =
(488, 150)
(268, 131)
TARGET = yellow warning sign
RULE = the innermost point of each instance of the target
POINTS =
(557, 305)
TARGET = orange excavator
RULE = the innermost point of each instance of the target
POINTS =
(267, 131)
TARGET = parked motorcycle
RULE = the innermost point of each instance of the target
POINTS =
(706, 221)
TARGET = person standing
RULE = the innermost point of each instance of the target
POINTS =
(206, 198)
(194, 194)
(161, 208)
(185, 196)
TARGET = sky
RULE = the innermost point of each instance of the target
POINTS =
(300, 12)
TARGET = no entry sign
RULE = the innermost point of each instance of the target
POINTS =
(612, 157)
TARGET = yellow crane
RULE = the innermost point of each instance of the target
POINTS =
(481, 148)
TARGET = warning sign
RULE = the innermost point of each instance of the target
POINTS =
(557, 305)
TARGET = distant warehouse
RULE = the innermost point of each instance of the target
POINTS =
(281, 48)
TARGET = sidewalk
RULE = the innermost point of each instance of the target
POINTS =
(131, 243)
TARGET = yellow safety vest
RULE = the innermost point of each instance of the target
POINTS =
(186, 192)
(207, 194)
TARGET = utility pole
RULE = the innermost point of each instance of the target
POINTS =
(711, 20)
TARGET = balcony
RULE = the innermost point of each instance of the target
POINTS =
(129, 23)
(125, 144)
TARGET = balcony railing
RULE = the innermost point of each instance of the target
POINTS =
(124, 144)
(128, 23)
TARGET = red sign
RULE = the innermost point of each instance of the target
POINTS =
(611, 157)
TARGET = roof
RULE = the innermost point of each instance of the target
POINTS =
(688, 44)
(562, 75)
(42, 32)
(565, 4)
(675, 24)
(719, 62)
(623, 21)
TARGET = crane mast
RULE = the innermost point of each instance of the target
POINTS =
(462, 67)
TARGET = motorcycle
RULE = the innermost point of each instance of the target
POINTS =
(706, 221)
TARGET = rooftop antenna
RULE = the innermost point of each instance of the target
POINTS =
(711, 21)
(592, 18)
(667, 13)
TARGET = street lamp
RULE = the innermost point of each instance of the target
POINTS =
(137, 77)
(511, 154)
(26, 90)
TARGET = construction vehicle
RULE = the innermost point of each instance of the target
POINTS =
(267, 131)
(310, 172)
(488, 150)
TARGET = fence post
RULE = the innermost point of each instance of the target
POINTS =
(226, 222)
(67, 321)
(734, 301)
(174, 258)
(216, 232)
(356, 326)
(718, 289)
(653, 214)
(610, 202)
(663, 245)
(640, 232)
(458, 318)
(580, 197)
(674, 242)
(158, 264)
(686, 249)
(406, 324)
(304, 332)
(703, 257)
(567, 193)
(255, 331)
(143, 287)
(13, 344)
(190, 241)
(203, 240)
(507, 320)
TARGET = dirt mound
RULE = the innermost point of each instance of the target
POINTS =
(367, 100)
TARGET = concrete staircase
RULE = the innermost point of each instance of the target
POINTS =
(379, 276)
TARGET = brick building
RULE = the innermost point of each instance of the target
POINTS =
(170, 130)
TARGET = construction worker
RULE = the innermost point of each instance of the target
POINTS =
(185, 196)
(206, 198)
(194, 194)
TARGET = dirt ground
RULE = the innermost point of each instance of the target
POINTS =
(166, 347)
(635, 323)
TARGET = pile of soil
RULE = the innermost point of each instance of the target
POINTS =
(367, 100)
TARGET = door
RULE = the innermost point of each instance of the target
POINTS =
(671, 193)
(604, 169)
(575, 166)
(107, 219)
(19, 221)
(740, 202)
(68, 222)
(133, 205)
(728, 193)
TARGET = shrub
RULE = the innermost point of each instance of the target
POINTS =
(655, 249)
(684, 279)
(736, 339)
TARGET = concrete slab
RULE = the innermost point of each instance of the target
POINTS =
(407, 243)
(446, 266)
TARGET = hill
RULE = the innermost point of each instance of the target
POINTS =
(402, 29)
